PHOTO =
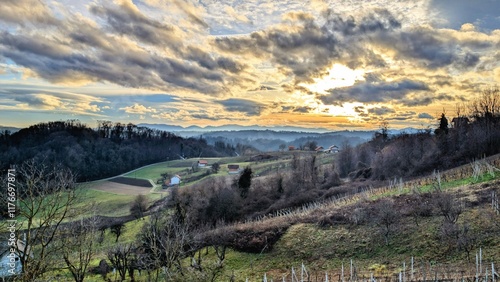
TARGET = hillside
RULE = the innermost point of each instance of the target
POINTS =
(91, 154)
(441, 229)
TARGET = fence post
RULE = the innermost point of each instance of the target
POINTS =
(350, 278)
(342, 273)
(493, 273)
(411, 275)
(477, 266)
(404, 271)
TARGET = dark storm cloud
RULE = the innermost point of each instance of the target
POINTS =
(247, 107)
(373, 90)
(307, 48)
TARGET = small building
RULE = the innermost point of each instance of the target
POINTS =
(233, 168)
(319, 149)
(333, 149)
(175, 180)
(291, 148)
(202, 163)
(10, 262)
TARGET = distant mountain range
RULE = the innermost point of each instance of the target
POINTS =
(270, 138)
(9, 128)
(230, 127)
(265, 138)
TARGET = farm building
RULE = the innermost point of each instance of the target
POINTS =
(233, 168)
(291, 148)
(10, 263)
(202, 163)
(333, 149)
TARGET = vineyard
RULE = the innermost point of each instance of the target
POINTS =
(413, 270)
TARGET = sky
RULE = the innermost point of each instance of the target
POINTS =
(344, 64)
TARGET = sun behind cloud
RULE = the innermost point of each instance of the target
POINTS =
(338, 76)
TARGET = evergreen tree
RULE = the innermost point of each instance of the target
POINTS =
(443, 123)
(245, 181)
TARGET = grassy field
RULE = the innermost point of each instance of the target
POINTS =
(97, 202)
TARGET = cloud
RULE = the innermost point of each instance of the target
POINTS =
(192, 11)
(380, 111)
(128, 20)
(248, 107)
(374, 90)
(138, 109)
(26, 11)
(303, 109)
(305, 47)
(43, 101)
(425, 116)
(237, 16)
(431, 48)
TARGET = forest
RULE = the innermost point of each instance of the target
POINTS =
(108, 150)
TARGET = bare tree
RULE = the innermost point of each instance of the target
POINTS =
(78, 242)
(120, 258)
(45, 199)
(386, 218)
(117, 229)
(139, 206)
(487, 105)
(165, 240)
(449, 208)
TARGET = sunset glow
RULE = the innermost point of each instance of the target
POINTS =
(320, 64)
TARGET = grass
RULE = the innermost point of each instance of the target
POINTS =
(445, 185)
(97, 202)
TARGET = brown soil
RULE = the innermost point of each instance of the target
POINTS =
(123, 189)
(132, 181)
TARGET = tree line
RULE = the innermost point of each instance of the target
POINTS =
(473, 133)
(108, 150)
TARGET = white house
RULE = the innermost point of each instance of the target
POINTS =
(10, 263)
(175, 180)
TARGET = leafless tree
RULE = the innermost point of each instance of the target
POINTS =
(487, 105)
(78, 242)
(45, 199)
(120, 257)
(386, 217)
(139, 206)
(117, 229)
(164, 242)
(449, 208)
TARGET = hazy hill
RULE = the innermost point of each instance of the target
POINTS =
(270, 138)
